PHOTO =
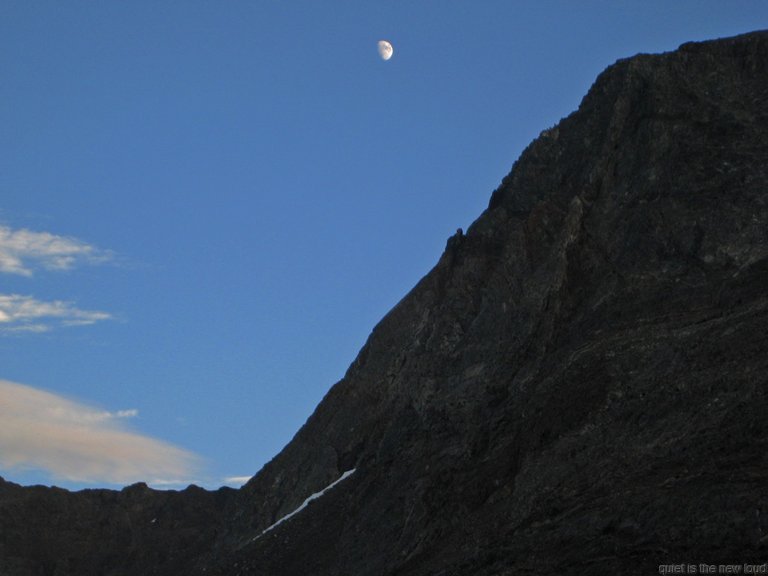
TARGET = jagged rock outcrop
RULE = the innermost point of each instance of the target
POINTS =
(577, 387)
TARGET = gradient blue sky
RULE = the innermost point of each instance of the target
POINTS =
(205, 207)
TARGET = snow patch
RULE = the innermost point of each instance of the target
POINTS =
(306, 502)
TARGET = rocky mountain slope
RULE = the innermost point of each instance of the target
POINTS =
(577, 387)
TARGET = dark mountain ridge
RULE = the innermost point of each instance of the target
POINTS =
(577, 387)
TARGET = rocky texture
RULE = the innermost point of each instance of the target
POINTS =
(578, 386)
(53, 532)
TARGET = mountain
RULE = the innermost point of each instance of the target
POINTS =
(579, 386)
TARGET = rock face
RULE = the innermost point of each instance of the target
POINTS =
(579, 386)
(50, 531)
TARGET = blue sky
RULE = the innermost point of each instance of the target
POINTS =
(205, 207)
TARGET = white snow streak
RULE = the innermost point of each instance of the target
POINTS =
(304, 504)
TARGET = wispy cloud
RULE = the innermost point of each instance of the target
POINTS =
(237, 480)
(22, 251)
(26, 314)
(71, 441)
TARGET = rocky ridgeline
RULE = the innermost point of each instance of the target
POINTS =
(577, 387)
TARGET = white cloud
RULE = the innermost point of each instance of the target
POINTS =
(21, 251)
(71, 441)
(26, 314)
(237, 480)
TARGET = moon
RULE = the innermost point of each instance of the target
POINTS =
(385, 50)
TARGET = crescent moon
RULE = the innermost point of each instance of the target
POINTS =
(385, 50)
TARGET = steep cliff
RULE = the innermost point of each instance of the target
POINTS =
(579, 384)
(577, 387)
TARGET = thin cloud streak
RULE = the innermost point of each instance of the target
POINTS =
(238, 480)
(21, 251)
(26, 314)
(75, 442)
